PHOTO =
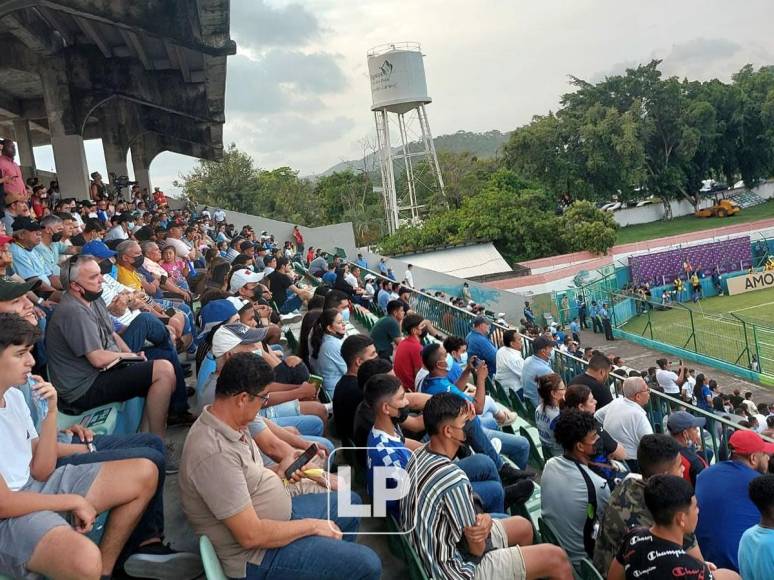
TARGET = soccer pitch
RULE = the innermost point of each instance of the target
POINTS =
(710, 329)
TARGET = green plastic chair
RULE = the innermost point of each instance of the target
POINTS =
(292, 342)
(547, 532)
(535, 458)
(416, 571)
(585, 570)
(212, 568)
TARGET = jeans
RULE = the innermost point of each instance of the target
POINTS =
(515, 447)
(480, 443)
(307, 425)
(291, 303)
(147, 327)
(484, 479)
(316, 557)
(140, 445)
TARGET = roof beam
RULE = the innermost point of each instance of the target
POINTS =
(55, 21)
(135, 46)
(91, 32)
(183, 64)
(17, 25)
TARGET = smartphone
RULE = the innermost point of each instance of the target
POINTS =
(170, 312)
(317, 381)
(475, 361)
(302, 460)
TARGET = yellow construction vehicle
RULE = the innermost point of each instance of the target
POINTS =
(723, 208)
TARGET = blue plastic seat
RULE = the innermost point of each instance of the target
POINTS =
(212, 568)
(207, 367)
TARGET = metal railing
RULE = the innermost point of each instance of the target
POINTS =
(458, 322)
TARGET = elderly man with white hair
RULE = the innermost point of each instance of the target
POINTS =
(625, 419)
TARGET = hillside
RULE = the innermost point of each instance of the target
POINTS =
(483, 145)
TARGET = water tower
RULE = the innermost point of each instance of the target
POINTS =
(399, 95)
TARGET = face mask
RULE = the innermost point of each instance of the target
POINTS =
(130, 225)
(463, 360)
(465, 429)
(403, 413)
(345, 315)
(56, 237)
(138, 261)
(90, 296)
(105, 266)
(423, 334)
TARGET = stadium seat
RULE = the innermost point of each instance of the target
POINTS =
(292, 342)
(113, 419)
(536, 459)
(205, 370)
(547, 532)
(585, 570)
(415, 569)
(212, 568)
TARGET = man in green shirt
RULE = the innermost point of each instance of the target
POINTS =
(386, 332)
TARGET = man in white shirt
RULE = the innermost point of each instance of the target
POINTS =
(625, 420)
(669, 380)
(351, 276)
(219, 216)
(409, 276)
(510, 361)
(174, 235)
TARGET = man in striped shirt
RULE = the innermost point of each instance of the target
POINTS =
(453, 540)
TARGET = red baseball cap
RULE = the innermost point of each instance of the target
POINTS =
(748, 442)
(5, 239)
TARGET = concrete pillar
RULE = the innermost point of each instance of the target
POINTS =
(141, 167)
(71, 167)
(21, 127)
(115, 158)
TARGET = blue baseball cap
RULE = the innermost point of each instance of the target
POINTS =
(98, 249)
(216, 312)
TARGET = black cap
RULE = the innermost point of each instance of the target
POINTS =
(541, 342)
(11, 290)
(24, 223)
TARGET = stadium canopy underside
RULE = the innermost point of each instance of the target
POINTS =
(146, 76)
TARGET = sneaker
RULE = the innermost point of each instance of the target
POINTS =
(508, 417)
(518, 493)
(497, 444)
(510, 474)
(159, 561)
(290, 317)
(181, 418)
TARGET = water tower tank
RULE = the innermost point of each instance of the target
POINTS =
(397, 75)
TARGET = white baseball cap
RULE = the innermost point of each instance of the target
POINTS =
(230, 336)
(244, 276)
(238, 303)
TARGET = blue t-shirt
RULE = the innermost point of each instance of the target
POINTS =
(756, 554)
(435, 385)
(385, 450)
(725, 511)
(329, 278)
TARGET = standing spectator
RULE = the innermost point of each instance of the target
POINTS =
(528, 314)
(573, 497)
(596, 377)
(386, 332)
(669, 381)
(625, 418)
(361, 262)
(702, 393)
(11, 178)
(596, 321)
(382, 267)
(409, 276)
(626, 510)
(756, 548)
(580, 302)
(408, 354)
(604, 316)
(96, 187)
(575, 330)
(451, 539)
(510, 362)
(658, 551)
(309, 256)
(536, 366)
(551, 390)
(748, 404)
(685, 429)
(726, 510)
(480, 345)
(298, 239)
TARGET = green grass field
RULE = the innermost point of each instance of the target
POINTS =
(689, 223)
(716, 332)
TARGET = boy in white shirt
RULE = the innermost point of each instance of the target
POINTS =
(35, 495)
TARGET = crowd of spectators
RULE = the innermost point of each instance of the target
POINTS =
(130, 299)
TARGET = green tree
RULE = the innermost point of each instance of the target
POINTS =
(584, 227)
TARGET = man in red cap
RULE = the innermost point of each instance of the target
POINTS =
(725, 508)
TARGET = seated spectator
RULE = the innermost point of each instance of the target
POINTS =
(35, 494)
(175, 240)
(450, 537)
(480, 345)
(625, 418)
(658, 550)
(122, 226)
(408, 354)
(175, 267)
(355, 350)
(319, 265)
(510, 362)
(386, 332)
(573, 497)
(326, 340)
(86, 355)
(597, 378)
(260, 526)
(27, 263)
(536, 366)
(685, 429)
(725, 508)
(287, 295)
(456, 356)
(551, 390)
(514, 447)
(607, 449)
(52, 247)
(171, 282)
(756, 548)
(626, 510)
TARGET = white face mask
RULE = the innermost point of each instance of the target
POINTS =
(130, 225)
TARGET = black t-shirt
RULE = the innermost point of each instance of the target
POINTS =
(601, 392)
(645, 556)
(346, 398)
(364, 422)
(278, 285)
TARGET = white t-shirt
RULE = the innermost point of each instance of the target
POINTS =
(626, 422)
(668, 381)
(181, 248)
(409, 277)
(509, 366)
(16, 432)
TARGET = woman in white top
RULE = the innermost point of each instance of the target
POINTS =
(551, 390)
(510, 361)
(669, 380)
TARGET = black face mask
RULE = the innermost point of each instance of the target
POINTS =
(138, 261)
(339, 335)
(403, 414)
(105, 266)
(57, 237)
(90, 296)
(465, 430)
(424, 333)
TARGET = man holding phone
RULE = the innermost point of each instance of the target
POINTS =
(260, 526)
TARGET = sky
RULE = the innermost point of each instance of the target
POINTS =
(298, 93)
